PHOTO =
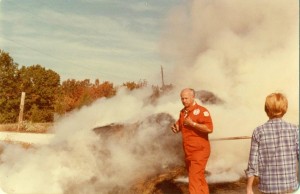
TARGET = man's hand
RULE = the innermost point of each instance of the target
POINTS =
(188, 122)
(175, 128)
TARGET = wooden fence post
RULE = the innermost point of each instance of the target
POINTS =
(21, 110)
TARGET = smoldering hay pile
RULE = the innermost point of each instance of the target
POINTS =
(166, 171)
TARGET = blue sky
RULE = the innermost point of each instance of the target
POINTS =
(112, 40)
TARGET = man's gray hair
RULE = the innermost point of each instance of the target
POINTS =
(193, 91)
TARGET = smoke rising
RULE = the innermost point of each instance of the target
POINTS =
(239, 50)
(82, 160)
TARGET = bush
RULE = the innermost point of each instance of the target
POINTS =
(40, 115)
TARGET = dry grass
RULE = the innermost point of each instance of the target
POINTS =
(26, 127)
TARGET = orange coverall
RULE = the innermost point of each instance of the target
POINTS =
(196, 147)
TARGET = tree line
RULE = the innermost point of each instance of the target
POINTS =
(46, 96)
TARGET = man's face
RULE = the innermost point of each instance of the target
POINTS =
(187, 98)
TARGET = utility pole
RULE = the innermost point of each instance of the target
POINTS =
(21, 110)
(162, 77)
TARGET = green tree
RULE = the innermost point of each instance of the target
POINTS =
(41, 87)
(9, 89)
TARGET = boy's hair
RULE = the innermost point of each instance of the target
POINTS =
(276, 105)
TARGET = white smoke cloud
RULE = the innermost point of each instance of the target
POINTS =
(78, 160)
(241, 51)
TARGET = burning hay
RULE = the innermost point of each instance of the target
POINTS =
(162, 176)
(162, 182)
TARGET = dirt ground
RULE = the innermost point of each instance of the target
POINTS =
(230, 188)
(168, 183)
(238, 187)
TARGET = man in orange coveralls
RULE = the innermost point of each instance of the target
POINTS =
(195, 124)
